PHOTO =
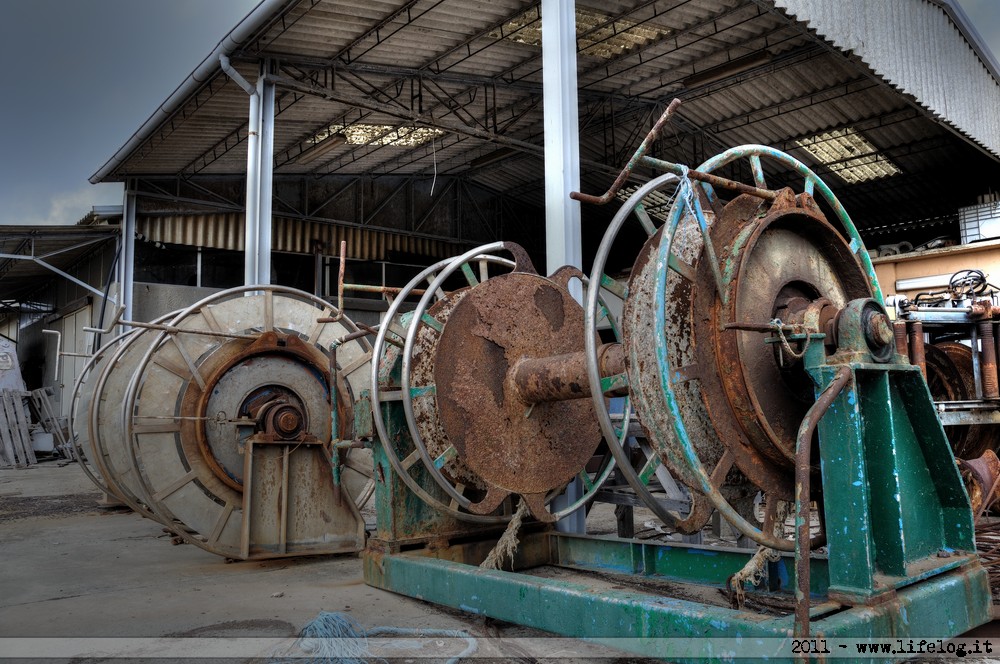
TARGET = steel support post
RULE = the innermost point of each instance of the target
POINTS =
(251, 216)
(563, 245)
(265, 91)
(127, 258)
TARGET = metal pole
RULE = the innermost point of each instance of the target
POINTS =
(252, 215)
(265, 91)
(562, 135)
(563, 245)
(128, 251)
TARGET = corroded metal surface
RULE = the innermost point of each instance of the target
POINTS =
(426, 407)
(741, 400)
(563, 377)
(513, 447)
(228, 413)
(950, 377)
(637, 325)
(790, 252)
(984, 473)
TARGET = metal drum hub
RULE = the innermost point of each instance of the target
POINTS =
(257, 385)
(514, 446)
(788, 261)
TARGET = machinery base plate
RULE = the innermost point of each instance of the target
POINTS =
(941, 606)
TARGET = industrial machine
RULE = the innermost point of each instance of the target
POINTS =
(745, 358)
(757, 357)
(215, 421)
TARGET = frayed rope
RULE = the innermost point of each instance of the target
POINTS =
(335, 637)
(507, 545)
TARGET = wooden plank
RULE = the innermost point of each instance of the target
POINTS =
(50, 414)
(49, 420)
(22, 424)
(14, 426)
(7, 456)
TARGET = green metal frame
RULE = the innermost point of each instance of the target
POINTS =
(901, 559)
(448, 575)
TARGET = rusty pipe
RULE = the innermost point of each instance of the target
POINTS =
(623, 177)
(562, 377)
(803, 471)
(988, 361)
(917, 357)
(899, 334)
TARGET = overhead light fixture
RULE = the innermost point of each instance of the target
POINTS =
(492, 157)
(317, 150)
(727, 69)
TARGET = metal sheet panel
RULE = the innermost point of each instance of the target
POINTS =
(225, 231)
(914, 46)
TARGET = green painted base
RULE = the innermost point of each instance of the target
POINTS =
(596, 606)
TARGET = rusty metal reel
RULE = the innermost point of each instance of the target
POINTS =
(711, 398)
(430, 447)
(106, 423)
(951, 377)
(440, 378)
(643, 468)
(229, 418)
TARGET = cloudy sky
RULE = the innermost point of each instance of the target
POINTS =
(83, 75)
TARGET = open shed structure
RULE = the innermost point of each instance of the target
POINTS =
(416, 126)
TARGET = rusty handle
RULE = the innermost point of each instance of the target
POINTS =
(803, 461)
(653, 134)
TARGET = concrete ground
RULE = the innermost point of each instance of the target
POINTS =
(71, 569)
(100, 584)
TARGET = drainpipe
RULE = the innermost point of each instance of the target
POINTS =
(251, 231)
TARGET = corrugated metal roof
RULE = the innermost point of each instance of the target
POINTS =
(451, 63)
(916, 47)
(61, 247)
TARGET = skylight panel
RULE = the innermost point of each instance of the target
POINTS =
(375, 134)
(606, 41)
(850, 156)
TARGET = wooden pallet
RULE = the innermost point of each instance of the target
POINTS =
(46, 415)
(15, 440)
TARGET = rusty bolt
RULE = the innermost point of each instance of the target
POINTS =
(288, 421)
(880, 330)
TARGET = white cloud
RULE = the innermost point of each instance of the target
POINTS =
(68, 207)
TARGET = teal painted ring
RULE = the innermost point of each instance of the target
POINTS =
(812, 183)
(687, 451)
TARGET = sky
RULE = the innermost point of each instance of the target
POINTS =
(83, 75)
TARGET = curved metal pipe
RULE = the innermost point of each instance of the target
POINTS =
(803, 450)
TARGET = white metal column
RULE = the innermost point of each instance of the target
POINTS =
(126, 260)
(260, 171)
(265, 90)
(563, 245)
(252, 216)
(562, 135)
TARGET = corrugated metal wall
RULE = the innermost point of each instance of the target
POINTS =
(915, 47)
(225, 231)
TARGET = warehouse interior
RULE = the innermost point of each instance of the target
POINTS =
(411, 135)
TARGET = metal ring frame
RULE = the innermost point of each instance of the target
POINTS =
(83, 457)
(688, 454)
(436, 275)
(616, 439)
(132, 394)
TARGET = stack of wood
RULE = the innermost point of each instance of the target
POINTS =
(15, 439)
